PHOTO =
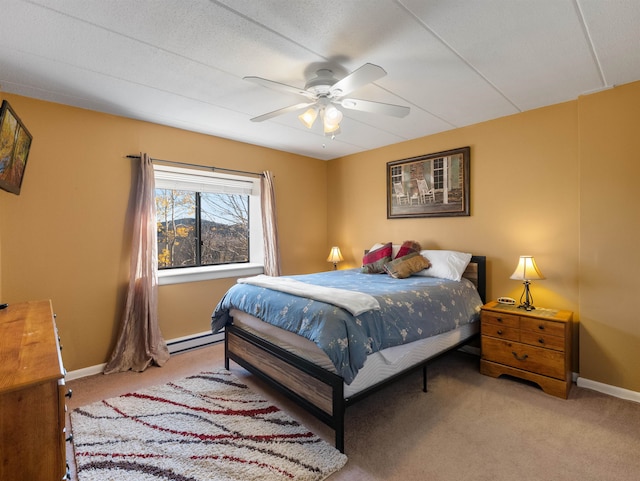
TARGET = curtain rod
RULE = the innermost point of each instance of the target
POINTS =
(208, 167)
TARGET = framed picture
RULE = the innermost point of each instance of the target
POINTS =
(432, 185)
(15, 142)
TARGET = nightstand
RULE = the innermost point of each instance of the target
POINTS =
(533, 345)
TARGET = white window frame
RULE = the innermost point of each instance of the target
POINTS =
(179, 178)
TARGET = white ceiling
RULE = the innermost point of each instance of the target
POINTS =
(181, 63)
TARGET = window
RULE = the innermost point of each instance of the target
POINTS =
(209, 225)
(438, 173)
(396, 174)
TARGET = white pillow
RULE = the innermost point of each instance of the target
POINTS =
(445, 264)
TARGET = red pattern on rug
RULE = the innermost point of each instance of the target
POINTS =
(204, 427)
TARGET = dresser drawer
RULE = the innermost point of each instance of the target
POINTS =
(500, 319)
(542, 340)
(503, 332)
(546, 362)
(542, 326)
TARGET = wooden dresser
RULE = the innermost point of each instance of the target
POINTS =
(32, 394)
(533, 345)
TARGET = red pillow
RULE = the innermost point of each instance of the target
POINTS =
(408, 247)
(373, 256)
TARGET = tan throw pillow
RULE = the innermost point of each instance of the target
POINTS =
(403, 267)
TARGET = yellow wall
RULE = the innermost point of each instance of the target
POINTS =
(66, 237)
(610, 237)
(558, 183)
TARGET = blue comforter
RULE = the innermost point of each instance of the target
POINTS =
(410, 309)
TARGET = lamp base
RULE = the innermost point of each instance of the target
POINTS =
(526, 305)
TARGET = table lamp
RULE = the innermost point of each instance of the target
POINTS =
(526, 271)
(335, 256)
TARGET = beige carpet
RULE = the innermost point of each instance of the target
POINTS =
(467, 427)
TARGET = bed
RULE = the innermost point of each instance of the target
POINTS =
(318, 370)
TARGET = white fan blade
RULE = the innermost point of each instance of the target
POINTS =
(285, 110)
(358, 78)
(375, 107)
(278, 86)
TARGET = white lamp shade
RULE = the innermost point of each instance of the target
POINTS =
(335, 255)
(333, 132)
(332, 116)
(527, 269)
(308, 117)
(330, 128)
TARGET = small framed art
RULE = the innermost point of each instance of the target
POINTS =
(15, 142)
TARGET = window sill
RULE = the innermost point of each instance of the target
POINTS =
(195, 274)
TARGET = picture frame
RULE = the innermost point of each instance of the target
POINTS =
(431, 185)
(15, 143)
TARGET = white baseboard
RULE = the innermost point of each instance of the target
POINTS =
(608, 389)
(176, 346)
(84, 372)
(194, 341)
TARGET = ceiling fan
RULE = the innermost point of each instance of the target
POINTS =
(324, 93)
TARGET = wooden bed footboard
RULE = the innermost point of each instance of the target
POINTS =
(317, 390)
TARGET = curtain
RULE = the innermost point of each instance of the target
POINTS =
(269, 225)
(140, 342)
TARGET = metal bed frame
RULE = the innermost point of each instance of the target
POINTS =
(317, 390)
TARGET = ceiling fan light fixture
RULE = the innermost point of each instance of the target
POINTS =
(330, 128)
(308, 117)
(336, 130)
(324, 94)
(332, 116)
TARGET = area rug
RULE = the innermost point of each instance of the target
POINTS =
(204, 427)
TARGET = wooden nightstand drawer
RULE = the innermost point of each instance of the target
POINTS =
(503, 332)
(523, 356)
(500, 319)
(542, 340)
(542, 326)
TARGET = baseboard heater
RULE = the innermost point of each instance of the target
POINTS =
(194, 341)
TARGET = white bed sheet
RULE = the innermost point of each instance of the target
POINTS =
(378, 366)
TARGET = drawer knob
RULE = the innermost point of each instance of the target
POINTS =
(541, 341)
(519, 358)
(500, 332)
(69, 394)
(499, 319)
(69, 438)
(541, 327)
